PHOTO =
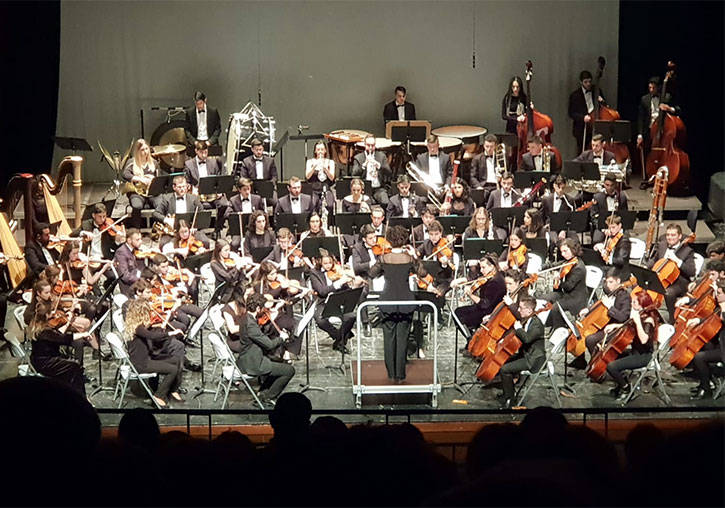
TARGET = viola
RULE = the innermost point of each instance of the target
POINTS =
(65, 287)
(58, 319)
(610, 245)
(192, 244)
(693, 339)
(565, 270)
(615, 344)
(112, 228)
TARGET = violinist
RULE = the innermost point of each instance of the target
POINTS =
(234, 314)
(46, 357)
(329, 277)
(515, 255)
(128, 266)
(224, 267)
(618, 303)
(258, 234)
(404, 204)
(440, 248)
(533, 159)
(182, 280)
(253, 346)
(153, 348)
(140, 171)
(616, 246)
(184, 243)
(283, 253)
(37, 253)
(485, 294)
(365, 254)
(514, 104)
(278, 290)
(460, 202)
(73, 268)
(377, 216)
(357, 201)
(103, 239)
(396, 267)
(606, 202)
(712, 352)
(570, 289)
(532, 355)
(320, 173)
(581, 107)
(420, 233)
(645, 319)
(672, 247)
(597, 154)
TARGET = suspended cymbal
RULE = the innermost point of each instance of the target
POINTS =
(160, 151)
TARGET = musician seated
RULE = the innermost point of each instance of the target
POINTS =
(37, 253)
(295, 201)
(645, 319)
(258, 233)
(246, 201)
(597, 154)
(421, 232)
(515, 256)
(258, 166)
(485, 296)
(103, 238)
(227, 267)
(505, 197)
(153, 348)
(534, 226)
(404, 204)
(315, 228)
(377, 218)
(672, 247)
(140, 170)
(532, 355)
(618, 303)
(179, 284)
(480, 226)
(715, 250)
(434, 164)
(484, 172)
(357, 201)
(204, 124)
(200, 167)
(282, 254)
(48, 335)
(712, 352)
(538, 159)
(372, 165)
(175, 203)
(399, 108)
(73, 268)
(460, 203)
(440, 248)
(184, 243)
(320, 173)
(364, 252)
(128, 265)
(570, 290)
(611, 200)
(616, 246)
(328, 277)
(556, 202)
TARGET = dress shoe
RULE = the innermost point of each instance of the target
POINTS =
(579, 363)
(624, 392)
(176, 397)
(644, 185)
(341, 349)
(421, 354)
(506, 404)
(701, 394)
(193, 367)
(696, 389)
(614, 392)
(182, 390)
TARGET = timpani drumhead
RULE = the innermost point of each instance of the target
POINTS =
(460, 131)
(383, 144)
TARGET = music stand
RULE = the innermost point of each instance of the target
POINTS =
(217, 184)
(505, 217)
(73, 144)
(259, 253)
(97, 325)
(88, 210)
(195, 262)
(342, 186)
(303, 327)
(647, 279)
(233, 223)
(569, 221)
(527, 179)
(295, 222)
(478, 196)
(297, 273)
(350, 223)
(571, 392)
(476, 248)
(162, 184)
(575, 170)
(614, 131)
(454, 224)
(206, 315)
(339, 304)
(590, 257)
(629, 217)
(407, 222)
(263, 188)
(311, 246)
(203, 219)
(406, 131)
(538, 246)
(283, 190)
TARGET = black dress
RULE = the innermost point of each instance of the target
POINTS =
(48, 360)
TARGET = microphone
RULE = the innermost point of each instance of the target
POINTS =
(301, 128)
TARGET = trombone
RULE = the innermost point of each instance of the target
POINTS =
(418, 176)
(499, 164)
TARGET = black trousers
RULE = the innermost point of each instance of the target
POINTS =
(280, 374)
(169, 361)
(672, 294)
(339, 335)
(710, 353)
(508, 370)
(65, 370)
(396, 327)
(139, 203)
(593, 340)
(633, 360)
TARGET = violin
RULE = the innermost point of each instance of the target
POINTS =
(586, 206)
(382, 247)
(174, 275)
(692, 339)
(192, 244)
(145, 254)
(338, 272)
(565, 270)
(58, 319)
(609, 247)
(113, 228)
(424, 282)
(517, 256)
(229, 262)
(65, 287)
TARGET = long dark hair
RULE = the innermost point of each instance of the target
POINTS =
(522, 93)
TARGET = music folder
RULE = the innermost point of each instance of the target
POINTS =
(163, 184)
(575, 170)
(216, 184)
(73, 144)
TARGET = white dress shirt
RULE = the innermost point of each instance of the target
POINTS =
(654, 109)
(538, 162)
(246, 205)
(490, 168)
(48, 258)
(201, 166)
(296, 204)
(434, 168)
(371, 172)
(588, 98)
(180, 204)
(401, 111)
(405, 204)
(611, 203)
(201, 125)
(259, 168)
(96, 251)
(506, 201)
(558, 201)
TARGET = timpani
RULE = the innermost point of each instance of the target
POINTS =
(470, 135)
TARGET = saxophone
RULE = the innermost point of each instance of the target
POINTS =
(659, 197)
(545, 158)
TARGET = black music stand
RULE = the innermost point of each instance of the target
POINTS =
(217, 184)
(506, 217)
(527, 179)
(476, 248)
(195, 262)
(647, 279)
(454, 224)
(479, 196)
(259, 253)
(295, 222)
(88, 210)
(203, 219)
(342, 187)
(339, 304)
(311, 246)
(590, 257)
(233, 222)
(163, 184)
(409, 133)
(297, 273)
(538, 246)
(407, 222)
(106, 294)
(575, 170)
(629, 217)
(263, 188)
(614, 131)
(73, 144)
(350, 223)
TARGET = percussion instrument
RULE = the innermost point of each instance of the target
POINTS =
(167, 134)
(244, 126)
(341, 144)
(447, 145)
(469, 135)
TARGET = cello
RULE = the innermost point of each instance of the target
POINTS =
(692, 340)
(668, 136)
(615, 343)
(604, 112)
(535, 123)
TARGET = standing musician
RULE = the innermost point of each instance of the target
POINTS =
(175, 203)
(533, 160)
(295, 201)
(245, 201)
(504, 197)
(532, 355)
(396, 267)
(258, 233)
(712, 352)
(514, 105)
(357, 200)
(128, 266)
(570, 289)
(597, 154)
(399, 108)
(404, 204)
(283, 254)
(421, 232)
(480, 226)
(484, 173)
(616, 246)
(609, 201)
(253, 346)
(204, 124)
(515, 255)
(372, 165)
(184, 243)
(329, 277)
(48, 333)
(581, 106)
(649, 109)
(485, 294)
(140, 170)
(441, 248)
(258, 166)
(153, 348)
(37, 253)
(226, 267)
(618, 303)
(645, 319)
(103, 239)
(320, 173)
(202, 166)
(671, 247)
(460, 202)
(434, 163)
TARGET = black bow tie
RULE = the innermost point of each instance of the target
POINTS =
(258, 160)
(295, 199)
(507, 195)
(433, 156)
(180, 198)
(400, 105)
(245, 199)
(202, 111)
(489, 156)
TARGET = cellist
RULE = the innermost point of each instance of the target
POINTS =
(712, 352)
(673, 248)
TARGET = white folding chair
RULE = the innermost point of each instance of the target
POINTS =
(535, 263)
(207, 278)
(664, 334)
(126, 371)
(557, 341)
(25, 368)
(699, 262)
(119, 299)
(637, 250)
(118, 321)
(19, 317)
(593, 280)
(230, 372)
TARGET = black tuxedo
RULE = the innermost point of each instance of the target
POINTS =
(577, 112)
(395, 205)
(284, 205)
(390, 111)
(588, 156)
(167, 205)
(35, 258)
(446, 171)
(494, 199)
(547, 205)
(528, 164)
(643, 114)
(572, 294)
(341, 335)
(479, 171)
(256, 201)
(213, 125)
(248, 169)
(533, 354)
(600, 207)
(361, 259)
(214, 167)
(620, 255)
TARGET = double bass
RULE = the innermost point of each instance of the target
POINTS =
(604, 112)
(668, 135)
(535, 123)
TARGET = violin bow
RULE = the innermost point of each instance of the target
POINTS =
(113, 224)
